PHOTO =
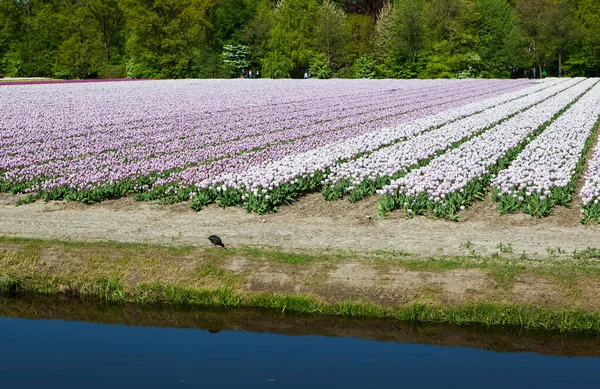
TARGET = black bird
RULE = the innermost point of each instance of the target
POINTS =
(216, 241)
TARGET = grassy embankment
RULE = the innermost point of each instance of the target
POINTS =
(560, 293)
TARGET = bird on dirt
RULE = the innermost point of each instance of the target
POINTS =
(216, 241)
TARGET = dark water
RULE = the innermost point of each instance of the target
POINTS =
(227, 349)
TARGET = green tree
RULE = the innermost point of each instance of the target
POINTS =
(560, 30)
(531, 17)
(320, 66)
(383, 38)
(80, 54)
(292, 38)
(549, 27)
(410, 28)
(586, 61)
(166, 37)
(409, 38)
(364, 67)
(90, 32)
(359, 36)
(331, 33)
(229, 18)
(257, 32)
(29, 38)
(498, 38)
(108, 19)
(450, 25)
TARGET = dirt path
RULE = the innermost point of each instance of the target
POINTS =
(310, 223)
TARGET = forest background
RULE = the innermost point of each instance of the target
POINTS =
(285, 38)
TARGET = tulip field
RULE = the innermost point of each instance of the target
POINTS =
(422, 146)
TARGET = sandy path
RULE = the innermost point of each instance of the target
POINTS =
(310, 223)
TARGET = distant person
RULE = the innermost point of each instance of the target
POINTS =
(257, 73)
(251, 75)
(305, 75)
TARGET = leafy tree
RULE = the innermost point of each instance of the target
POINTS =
(108, 19)
(359, 36)
(450, 25)
(549, 27)
(165, 36)
(229, 19)
(410, 28)
(257, 31)
(364, 67)
(586, 61)
(560, 30)
(292, 38)
(531, 17)
(319, 66)
(383, 38)
(84, 51)
(206, 38)
(331, 31)
(498, 38)
(29, 37)
(236, 57)
(409, 38)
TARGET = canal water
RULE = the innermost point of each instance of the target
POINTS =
(74, 344)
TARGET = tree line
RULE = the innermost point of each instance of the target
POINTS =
(286, 38)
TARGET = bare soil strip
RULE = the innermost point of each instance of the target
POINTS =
(310, 223)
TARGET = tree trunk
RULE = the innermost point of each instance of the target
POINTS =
(559, 64)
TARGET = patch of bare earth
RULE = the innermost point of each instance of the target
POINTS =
(309, 223)
(397, 286)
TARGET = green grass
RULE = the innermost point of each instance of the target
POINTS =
(293, 258)
(143, 273)
(111, 290)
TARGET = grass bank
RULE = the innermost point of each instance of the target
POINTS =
(559, 293)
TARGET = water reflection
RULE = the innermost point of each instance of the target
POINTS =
(66, 345)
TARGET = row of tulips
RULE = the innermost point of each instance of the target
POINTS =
(363, 176)
(262, 188)
(452, 181)
(247, 153)
(90, 164)
(177, 129)
(545, 173)
(590, 192)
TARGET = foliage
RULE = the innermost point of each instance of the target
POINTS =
(319, 66)
(406, 38)
(383, 38)
(358, 36)
(498, 40)
(236, 57)
(163, 35)
(364, 67)
(291, 40)
(331, 31)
